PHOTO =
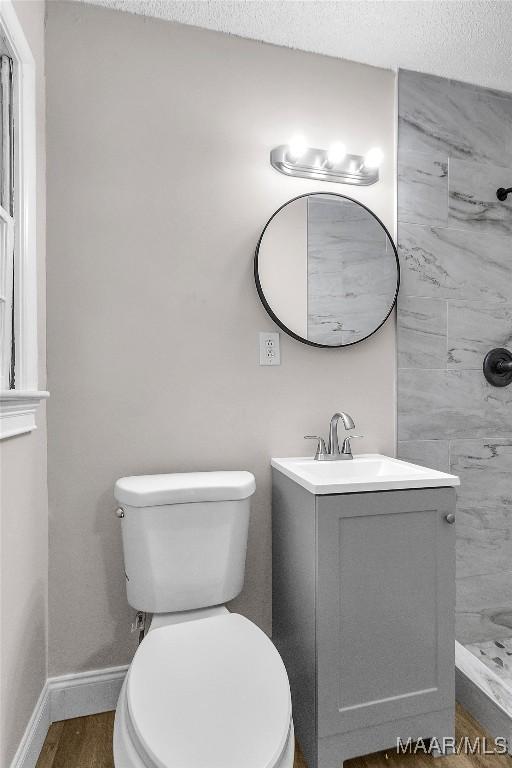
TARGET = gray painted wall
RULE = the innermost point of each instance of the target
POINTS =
(159, 184)
(23, 494)
(455, 244)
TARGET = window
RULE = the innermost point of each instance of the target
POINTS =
(19, 394)
(7, 339)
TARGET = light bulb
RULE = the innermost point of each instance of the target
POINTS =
(297, 147)
(336, 153)
(373, 158)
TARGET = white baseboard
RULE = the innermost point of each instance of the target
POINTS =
(84, 693)
(35, 733)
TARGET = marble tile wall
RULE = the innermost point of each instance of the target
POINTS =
(455, 304)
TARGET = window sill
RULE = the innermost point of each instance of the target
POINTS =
(18, 411)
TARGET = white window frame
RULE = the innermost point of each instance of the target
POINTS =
(18, 406)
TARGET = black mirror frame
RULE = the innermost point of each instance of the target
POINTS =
(263, 300)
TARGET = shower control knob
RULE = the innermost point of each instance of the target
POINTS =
(498, 367)
(119, 512)
(450, 518)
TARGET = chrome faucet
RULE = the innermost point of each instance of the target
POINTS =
(333, 447)
(332, 451)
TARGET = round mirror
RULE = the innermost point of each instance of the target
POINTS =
(326, 270)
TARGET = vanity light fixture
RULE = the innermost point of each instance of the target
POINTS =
(336, 153)
(296, 149)
(333, 164)
(373, 158)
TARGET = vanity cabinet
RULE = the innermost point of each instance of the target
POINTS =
(363, 616)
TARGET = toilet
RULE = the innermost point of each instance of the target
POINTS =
(206, 687)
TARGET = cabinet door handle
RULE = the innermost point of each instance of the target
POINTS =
(450, 518)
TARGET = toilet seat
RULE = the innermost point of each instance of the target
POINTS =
(212, 692)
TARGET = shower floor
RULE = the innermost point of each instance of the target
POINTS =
(487, 666)
(496, 655)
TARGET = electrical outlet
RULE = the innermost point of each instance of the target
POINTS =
(270, 353)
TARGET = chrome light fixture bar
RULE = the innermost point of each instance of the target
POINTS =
(324, 165)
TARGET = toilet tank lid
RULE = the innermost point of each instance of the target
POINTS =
(183, 488)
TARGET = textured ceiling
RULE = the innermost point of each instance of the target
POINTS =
(467, 40)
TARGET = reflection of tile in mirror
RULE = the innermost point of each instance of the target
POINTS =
(351, 271)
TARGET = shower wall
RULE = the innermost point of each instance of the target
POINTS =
(455, 304)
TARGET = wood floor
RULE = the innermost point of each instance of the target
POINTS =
(86, 742)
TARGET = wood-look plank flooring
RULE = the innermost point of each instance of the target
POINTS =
(86, 742)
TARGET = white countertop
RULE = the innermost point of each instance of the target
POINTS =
(365, 472)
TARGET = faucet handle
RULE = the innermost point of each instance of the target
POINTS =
(347, 448)
(321, 449)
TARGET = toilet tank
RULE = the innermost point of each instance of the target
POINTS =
(184, 538)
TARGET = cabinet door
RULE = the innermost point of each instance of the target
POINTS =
(385, 607)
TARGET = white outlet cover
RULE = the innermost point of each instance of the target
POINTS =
(270, 353)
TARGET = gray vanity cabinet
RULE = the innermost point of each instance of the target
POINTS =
(363, 616)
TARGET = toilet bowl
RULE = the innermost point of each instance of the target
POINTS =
(206, 687)
(210, 692)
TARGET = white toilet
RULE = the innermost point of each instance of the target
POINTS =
(206, 687)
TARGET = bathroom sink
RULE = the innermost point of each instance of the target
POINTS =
(366, 472)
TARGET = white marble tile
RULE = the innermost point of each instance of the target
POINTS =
(421, 324)
(496, 655)
(484, 608)
(427, 118)
(486, 116)
(330, 223)
(484, 677)
(472, 198)
(474, 328)
(352, 274)
(423, 188)
(427, 453)
(485, 467)
(453, 118)
(454, 264)
(436, 404)
(479, 555)
(337, 210)
(358, 318)
(483, 546)
(461, 255)
(484, 505)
